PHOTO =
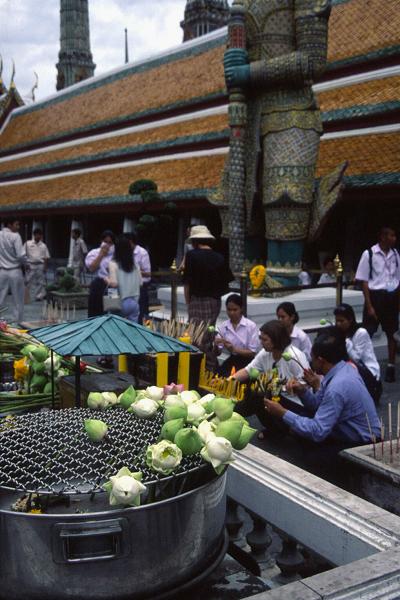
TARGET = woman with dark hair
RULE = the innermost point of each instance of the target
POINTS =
(359, 348)
(287, 314)
(237, 335)
(97, 262)
(124, 275)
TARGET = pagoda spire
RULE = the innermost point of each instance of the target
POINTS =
(203, 16)
(75, 58)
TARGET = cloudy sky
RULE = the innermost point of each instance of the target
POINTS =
(29, 34)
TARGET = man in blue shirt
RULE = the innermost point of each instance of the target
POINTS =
(341, 410)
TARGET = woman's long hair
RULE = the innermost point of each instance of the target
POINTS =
(123, 254)
(346, 311)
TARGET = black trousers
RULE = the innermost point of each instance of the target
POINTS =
(95, 300)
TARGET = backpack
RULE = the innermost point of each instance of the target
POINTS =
(373, 385)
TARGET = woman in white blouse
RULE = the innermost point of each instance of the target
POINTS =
(125, 275)
(359, 348)
(287, 314)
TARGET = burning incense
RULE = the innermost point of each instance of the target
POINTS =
(382, 437)
(373, 438)
(390, 430)
(398, 426)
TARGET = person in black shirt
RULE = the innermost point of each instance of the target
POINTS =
(206, 277)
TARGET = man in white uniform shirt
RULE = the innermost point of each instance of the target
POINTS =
(12, 258)
(37, 256)
(379, 271)
(142, 260)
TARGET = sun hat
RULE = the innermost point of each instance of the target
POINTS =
(200, 232)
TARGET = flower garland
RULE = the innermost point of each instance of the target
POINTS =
(257, 276)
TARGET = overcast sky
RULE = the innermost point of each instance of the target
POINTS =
(30, 30)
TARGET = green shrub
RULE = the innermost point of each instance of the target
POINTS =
(142, 185)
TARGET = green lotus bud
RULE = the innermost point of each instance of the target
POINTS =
(237, 417)
(96, 430)
(38, 368)
(245, 436)
(26, 350)
(163, 457)
(127, 397)
(206, 402)
(47, 388)
(189, 441)
(39, 353)
(254, 374)
(287, 356)
(95, 401)
(145, 408)
(175, 412)
(125, 488)
(211, 329)
(218, 452)
(38, 382)
(230, 430)
(223, 408)
(323, 321)
(171, 428)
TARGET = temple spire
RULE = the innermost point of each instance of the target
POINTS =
(203, 16)
(75, 58)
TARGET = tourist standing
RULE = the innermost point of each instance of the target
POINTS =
(12, 260)
(237, 335)
(37, 256)
(97, 262)
(206, 277)
(287, 314)
(379, 272)
(125, 275)
(78, 252)
(142, 259)
(329, 274)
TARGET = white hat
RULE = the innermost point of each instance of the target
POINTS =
(200, 232)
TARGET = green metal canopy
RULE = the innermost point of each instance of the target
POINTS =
(106, 335)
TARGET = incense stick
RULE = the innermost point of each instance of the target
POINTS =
(373, 438)
(390, 431)
(382, 437)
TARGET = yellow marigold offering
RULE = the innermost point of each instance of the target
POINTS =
(21, 369)
(257, 276)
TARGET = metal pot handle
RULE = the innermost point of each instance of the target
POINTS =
(87, 541)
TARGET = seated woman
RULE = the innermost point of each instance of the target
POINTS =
(287, 314)
(125, 275)
(276, 341)
(359, 348)
(238, 335)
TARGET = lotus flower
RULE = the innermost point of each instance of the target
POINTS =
(96, 430)
(96, 401)
(110, 398)
(245, 436)
(173, 388)
(253, 374)
(163, 457)
(325, 322)
(175, 412)
(125, 488)
(206, 402)
(190, 396)
(189, 441)
(206, 429)
(127, 397)
(26, 350)
(173, 400)
(218, 452)
(171, 428)
(56, 363)
(39, 353)
(237, 417)
(230, 430)
(223, 408)
(195, 413)
(145, 408)
(288, 357)
(155, 393)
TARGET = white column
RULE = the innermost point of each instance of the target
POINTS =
(128, 226)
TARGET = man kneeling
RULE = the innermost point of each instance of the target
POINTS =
(341, 411)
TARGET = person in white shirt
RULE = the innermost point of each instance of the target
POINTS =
(329, 275)
(276, 341)
(12, 260)
(37, 256)
(304, 276)
(359, 348)
(379, 272)
(287, 314)
(142, 259)
(78, 252)
(237, 335)
(125, 275)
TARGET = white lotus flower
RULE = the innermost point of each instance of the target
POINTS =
(195, 413)
(163, 457)
(155, 393)
(56, 364)
(173, 400)
(145, 408)
(204, 400)
(110, 398)
(205, 430)
(125, 488)
(218, 452)
(190, 396)
(95, 401)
